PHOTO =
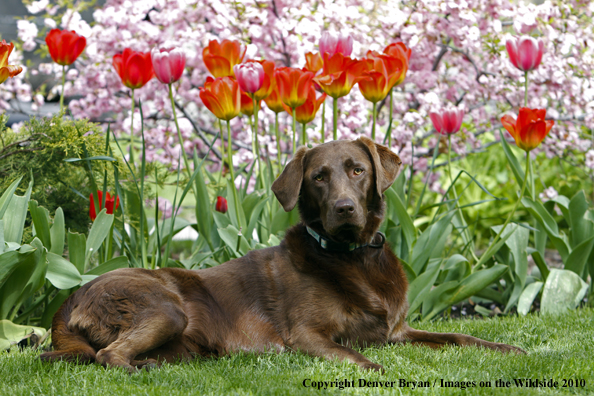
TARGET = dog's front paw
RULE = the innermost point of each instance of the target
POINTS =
(373, 366)
(504, 348)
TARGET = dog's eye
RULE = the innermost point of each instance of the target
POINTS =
(319, 178)
(358, 171)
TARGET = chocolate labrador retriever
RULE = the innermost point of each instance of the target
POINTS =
(331, 285)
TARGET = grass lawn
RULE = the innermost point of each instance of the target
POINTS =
(559, 348)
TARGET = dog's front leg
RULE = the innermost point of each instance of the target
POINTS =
(318, 344)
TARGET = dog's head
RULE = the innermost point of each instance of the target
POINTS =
(339, 187)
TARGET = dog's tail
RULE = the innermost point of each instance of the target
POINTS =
(70, 346)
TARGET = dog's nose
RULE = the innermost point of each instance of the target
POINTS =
(344, 207)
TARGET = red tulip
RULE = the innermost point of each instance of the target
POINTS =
(307, 111)
(65, 46)
(525, 53)
(398, 65)
(530, 129)
(220, 58)
(331, 44)
(134, 68)
(222, 97)
(250, 76)
(109, 204)
(339, 75)
(7, 70)
(221, 205)
(293, 85)
(447, 122)
(168, 64)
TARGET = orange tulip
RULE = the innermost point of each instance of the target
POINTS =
(339, 74)
(247, 104)
(399, 67)
(222, 97)
(293, 85)
(307, 111)
(313, 62)
(530, 129)
(273, 101)
(7, 70)
(220, 58)
(375, 85)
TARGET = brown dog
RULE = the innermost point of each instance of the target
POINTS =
(331, 284)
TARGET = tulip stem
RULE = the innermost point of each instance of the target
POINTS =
(374, 111)
(278, 143)
(490, 250)
(63, 84)
(323, 131)
(179, 136)
(132, 130)
(465, 232)
(390, 117)
(256, 145)
(303, 135)
(294, 131)
(335, 119)
(525, 88)
(230, 159)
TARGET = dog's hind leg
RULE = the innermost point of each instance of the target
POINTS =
(152, 328)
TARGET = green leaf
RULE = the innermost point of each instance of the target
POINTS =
(408, 228)
(57, 233)
(230, 237)
(98, 233)
(540, 263)
(527, 297)
(96, 158)
(15, 215)
(255, 215)
(550, 225)
(563, 290)
(52, 307)
(7, 196)
(77, 247)
(236, 218)
(576, 261)
(469, 286)
(431, 242)
(419, 288)
(517, 243)
(513, 163)
(11, 334)
(204, 214)
(110, 265)
(41, 220)
(580, 228)
(61, 272)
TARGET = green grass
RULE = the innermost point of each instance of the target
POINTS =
(559, 348)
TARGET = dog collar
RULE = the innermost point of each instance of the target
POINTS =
(330, 245)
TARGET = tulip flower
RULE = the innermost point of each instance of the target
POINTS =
(294, 85)
(530, 129)
(247, 105)
(134, 68)
(525, 53)
(250, 76)
(339, 75)
(221, 205)
(7, 70)
(168, 64)
(447, 122)
(65, 46)
(268, 82)
(220, 58)
(398, 68)
(305, 113)
(222, 97)
(111, 203)
(330, 44)
(375, 85)
(313, 62)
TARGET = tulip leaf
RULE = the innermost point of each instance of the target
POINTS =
(11, 334)
(563, 290)
(7, 196)
(41, 221)
(57, 233)
(527, 297)
(96, 158)
(542, 215)
(110, 265)
(98, 233)
(15, 215)
(513, 163)
(61, 272)
(77, 247)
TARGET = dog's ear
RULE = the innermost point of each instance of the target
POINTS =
(385, 163)
(287, 186)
